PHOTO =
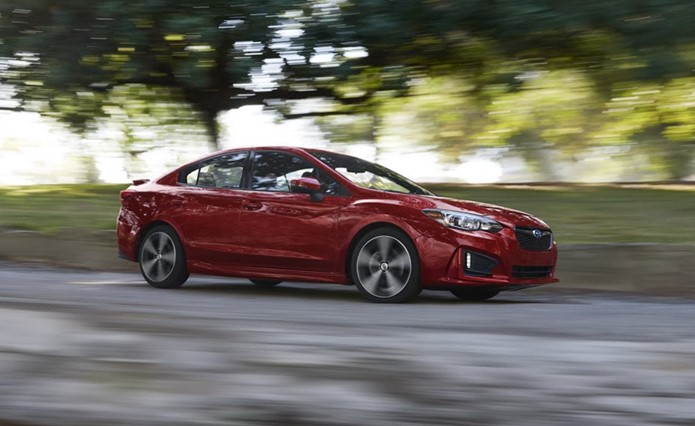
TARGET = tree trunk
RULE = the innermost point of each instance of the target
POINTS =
(537, 155)
(678, 157)
(213, 130)
(375, 129)
(90, 171)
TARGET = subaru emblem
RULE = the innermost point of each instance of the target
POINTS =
(537, 233)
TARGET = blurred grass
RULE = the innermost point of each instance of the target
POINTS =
(48, 208)
(577, 214)
(597, 214)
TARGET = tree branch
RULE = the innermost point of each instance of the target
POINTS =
(14, 109)
(294, 116)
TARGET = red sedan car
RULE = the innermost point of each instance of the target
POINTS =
(277, 214)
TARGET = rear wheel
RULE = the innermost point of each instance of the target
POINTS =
(265, 283)
(474, 294)
(162, 260)
(385, 267)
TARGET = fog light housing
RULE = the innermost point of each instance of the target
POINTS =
(478, 265)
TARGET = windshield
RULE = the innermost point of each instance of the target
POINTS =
(369, 175)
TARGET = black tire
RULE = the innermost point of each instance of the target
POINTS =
(385, 266)
(162, 259)
(474, 294)
(265, 283)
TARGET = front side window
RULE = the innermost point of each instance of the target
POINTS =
(274, 171)
(225, 171)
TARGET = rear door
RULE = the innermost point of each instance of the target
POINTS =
(208, 207)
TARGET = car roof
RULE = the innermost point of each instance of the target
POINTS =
(273, 148)
(262, 148)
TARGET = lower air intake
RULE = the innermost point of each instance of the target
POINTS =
(528, 272)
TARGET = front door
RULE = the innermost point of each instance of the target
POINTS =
(281, 229)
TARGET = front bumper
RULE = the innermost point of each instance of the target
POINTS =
(443, 261)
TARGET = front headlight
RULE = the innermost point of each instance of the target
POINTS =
(463, 221)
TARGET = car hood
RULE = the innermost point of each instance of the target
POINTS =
(507, 217)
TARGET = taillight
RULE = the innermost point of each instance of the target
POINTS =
(126, 194)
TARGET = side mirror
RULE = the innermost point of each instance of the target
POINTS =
(307, 185)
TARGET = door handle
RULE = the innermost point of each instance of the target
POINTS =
(252, 205)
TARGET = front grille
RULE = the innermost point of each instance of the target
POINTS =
(528, 241)
(528, 272)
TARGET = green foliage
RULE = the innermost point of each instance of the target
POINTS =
(447, 112)
(557, 107)
(538, 73)
(63, 59)
(470, 73)
(347, 129)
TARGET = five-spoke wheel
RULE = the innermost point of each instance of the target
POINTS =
(385, 266)
(161, 257)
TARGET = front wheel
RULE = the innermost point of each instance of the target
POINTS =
(474, 294)
(162, 260)
(385, 267)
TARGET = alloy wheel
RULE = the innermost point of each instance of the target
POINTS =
(158, 256)
(384, 266)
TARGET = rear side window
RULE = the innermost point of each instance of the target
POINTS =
(225, 171)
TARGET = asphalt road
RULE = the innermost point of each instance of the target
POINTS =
(84, 348)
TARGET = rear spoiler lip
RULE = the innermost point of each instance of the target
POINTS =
(137, 182)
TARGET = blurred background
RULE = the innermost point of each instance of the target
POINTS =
(470, 91)
(582, 113)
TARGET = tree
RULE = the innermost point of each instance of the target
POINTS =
(358, 56)
(63, 58)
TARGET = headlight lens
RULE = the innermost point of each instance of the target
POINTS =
(463, 221)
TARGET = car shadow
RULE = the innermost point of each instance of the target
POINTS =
(284, 290)
(338, 292)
